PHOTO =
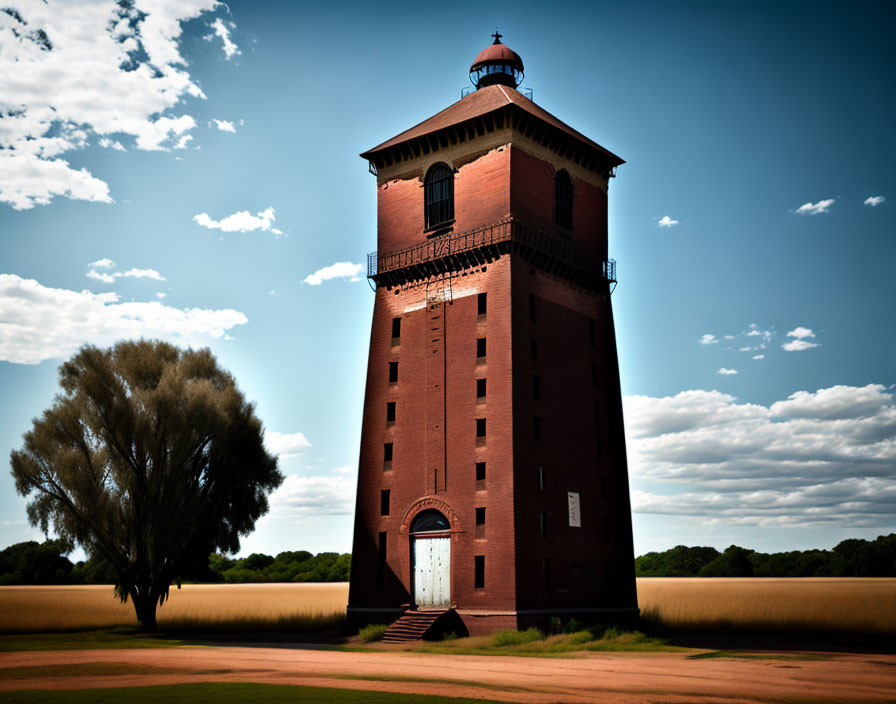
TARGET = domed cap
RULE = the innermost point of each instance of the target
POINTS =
(497, 63)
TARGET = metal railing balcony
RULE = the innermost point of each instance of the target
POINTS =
(542, 247)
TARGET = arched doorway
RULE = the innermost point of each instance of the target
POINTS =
(431, 559)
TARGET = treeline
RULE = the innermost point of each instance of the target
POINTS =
(45, 563)
(850, 558)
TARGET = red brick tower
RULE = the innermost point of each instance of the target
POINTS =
(492, 477)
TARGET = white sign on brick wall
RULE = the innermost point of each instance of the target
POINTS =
(575, 509)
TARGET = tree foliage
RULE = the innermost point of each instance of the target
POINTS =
(149, 458)
(850, 558)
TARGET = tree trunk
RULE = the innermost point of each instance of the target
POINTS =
(145, 606)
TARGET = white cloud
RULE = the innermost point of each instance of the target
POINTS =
(758, 356)
(820, 458)
(109, 277)
(221, 30)
(745, 349)
(726, 372)
(107, 143)
(285, 444)
(72, 70)
(104, 263)
(224, 125)
(708, 339)
(666, 221)
(800, 340)
(821, 206)
(38, 322)
(300, 498)
(874, 201)
(160, 295)
(339, 270)
(243, 221)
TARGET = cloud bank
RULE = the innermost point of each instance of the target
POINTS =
(821, 206)
(75, 70)
(38, 322)
(816, 458)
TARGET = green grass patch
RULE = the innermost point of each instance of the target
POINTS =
(373, 632)
(224, 693)
(87, 640)
(97, 669)
(757, 656)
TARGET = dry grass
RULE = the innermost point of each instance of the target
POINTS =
(796, 605)
(814, 605)
(194, 607)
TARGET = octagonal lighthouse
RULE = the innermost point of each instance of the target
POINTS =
(492, 482)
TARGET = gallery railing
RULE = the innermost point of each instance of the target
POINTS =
(542, 247)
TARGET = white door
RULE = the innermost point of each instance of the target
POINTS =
(432, 572)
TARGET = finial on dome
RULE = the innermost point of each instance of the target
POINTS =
(497, 64)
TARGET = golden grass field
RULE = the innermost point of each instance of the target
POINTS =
(833, 605)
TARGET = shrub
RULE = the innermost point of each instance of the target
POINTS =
(573, 626)
(579, 638)
(612, 633)
(511, 636)
(373, 632)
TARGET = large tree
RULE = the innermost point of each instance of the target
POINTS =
(151, 458)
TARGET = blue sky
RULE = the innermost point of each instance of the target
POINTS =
(755, 207)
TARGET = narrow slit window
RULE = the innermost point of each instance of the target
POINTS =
(480, 427)
(387, 452)
(480, 471)
(439, 196)
(480, 516)
(479, 572)
(480, 388)
(390, 412)
(597, 413)
(480, 347)
(536, 427)
(563, 199)
(536, 387)
(543, 523)
(594, 373)
(482, 303)
(534, 350)
(393, 372)
(396, 328)
(384, 501)
(540, 478)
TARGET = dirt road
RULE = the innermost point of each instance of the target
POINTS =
(608, 678)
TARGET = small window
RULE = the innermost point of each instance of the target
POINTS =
(384, 502)
(546, 567)
(540, 478)
(387, 452)
(600, 449)
(594, 373)
(563, 194)
(536, 427)
(396, 327)
(543, 523)
(536, 387)
(480, 471)
(534, 350)
(439, 196)
(480, 427)
(390, 412)
(480, 388)
(480, 516)
(479, 572)
(382, 562)
(481, 303)
(591, 331)
(480, 347)
(393, 372)
(532, 307)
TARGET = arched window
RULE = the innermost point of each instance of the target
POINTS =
(429, 520)
(563, 200)
(439, 196)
